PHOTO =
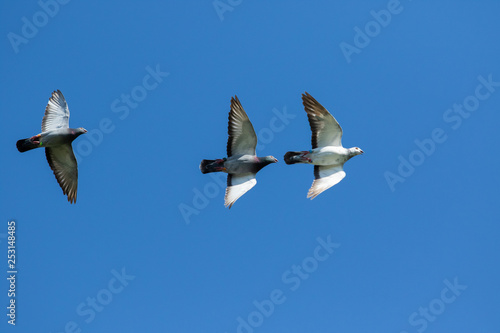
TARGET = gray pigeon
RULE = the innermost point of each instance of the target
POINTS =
(56, 138)
(327, 155)
(242, 164)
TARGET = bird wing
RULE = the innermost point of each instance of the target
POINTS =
(237, 185)
(326, 131)
(56, 113)
(242, 139)
(63, 162)
(325, 177)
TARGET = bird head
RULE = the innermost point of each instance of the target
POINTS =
(266, 160)
(356, 151)
(82, 130)
(272, 159)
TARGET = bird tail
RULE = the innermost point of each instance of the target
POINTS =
(26, 144)
(207, 166)
(293, 157)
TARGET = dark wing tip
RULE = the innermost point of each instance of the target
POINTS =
(72, 198)
(58, 97)
(309, 102)
(306, 96)
(57, 93)
(235, 103)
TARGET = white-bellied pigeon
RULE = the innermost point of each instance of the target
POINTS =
(56, 138)
(241, 163)
(328, 156)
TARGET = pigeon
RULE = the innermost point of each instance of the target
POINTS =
(241, 163)
(327, 154)
(56, 138)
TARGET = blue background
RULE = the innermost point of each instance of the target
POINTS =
(202, 270)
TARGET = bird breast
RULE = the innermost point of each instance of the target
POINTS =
(329, 155)
(56, 138)
(240, 164)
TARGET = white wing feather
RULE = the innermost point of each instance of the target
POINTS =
(56, 113)
(326, 177)
(240, 185)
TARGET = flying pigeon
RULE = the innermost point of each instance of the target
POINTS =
(56, 138)
(328, 156)
(241, 163)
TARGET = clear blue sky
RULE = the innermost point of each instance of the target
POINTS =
(413, 228)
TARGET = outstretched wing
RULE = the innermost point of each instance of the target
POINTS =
(242, 139)
(237, 186)
(325, 177)
(326, 131)
(63, 162)
(56, 113)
